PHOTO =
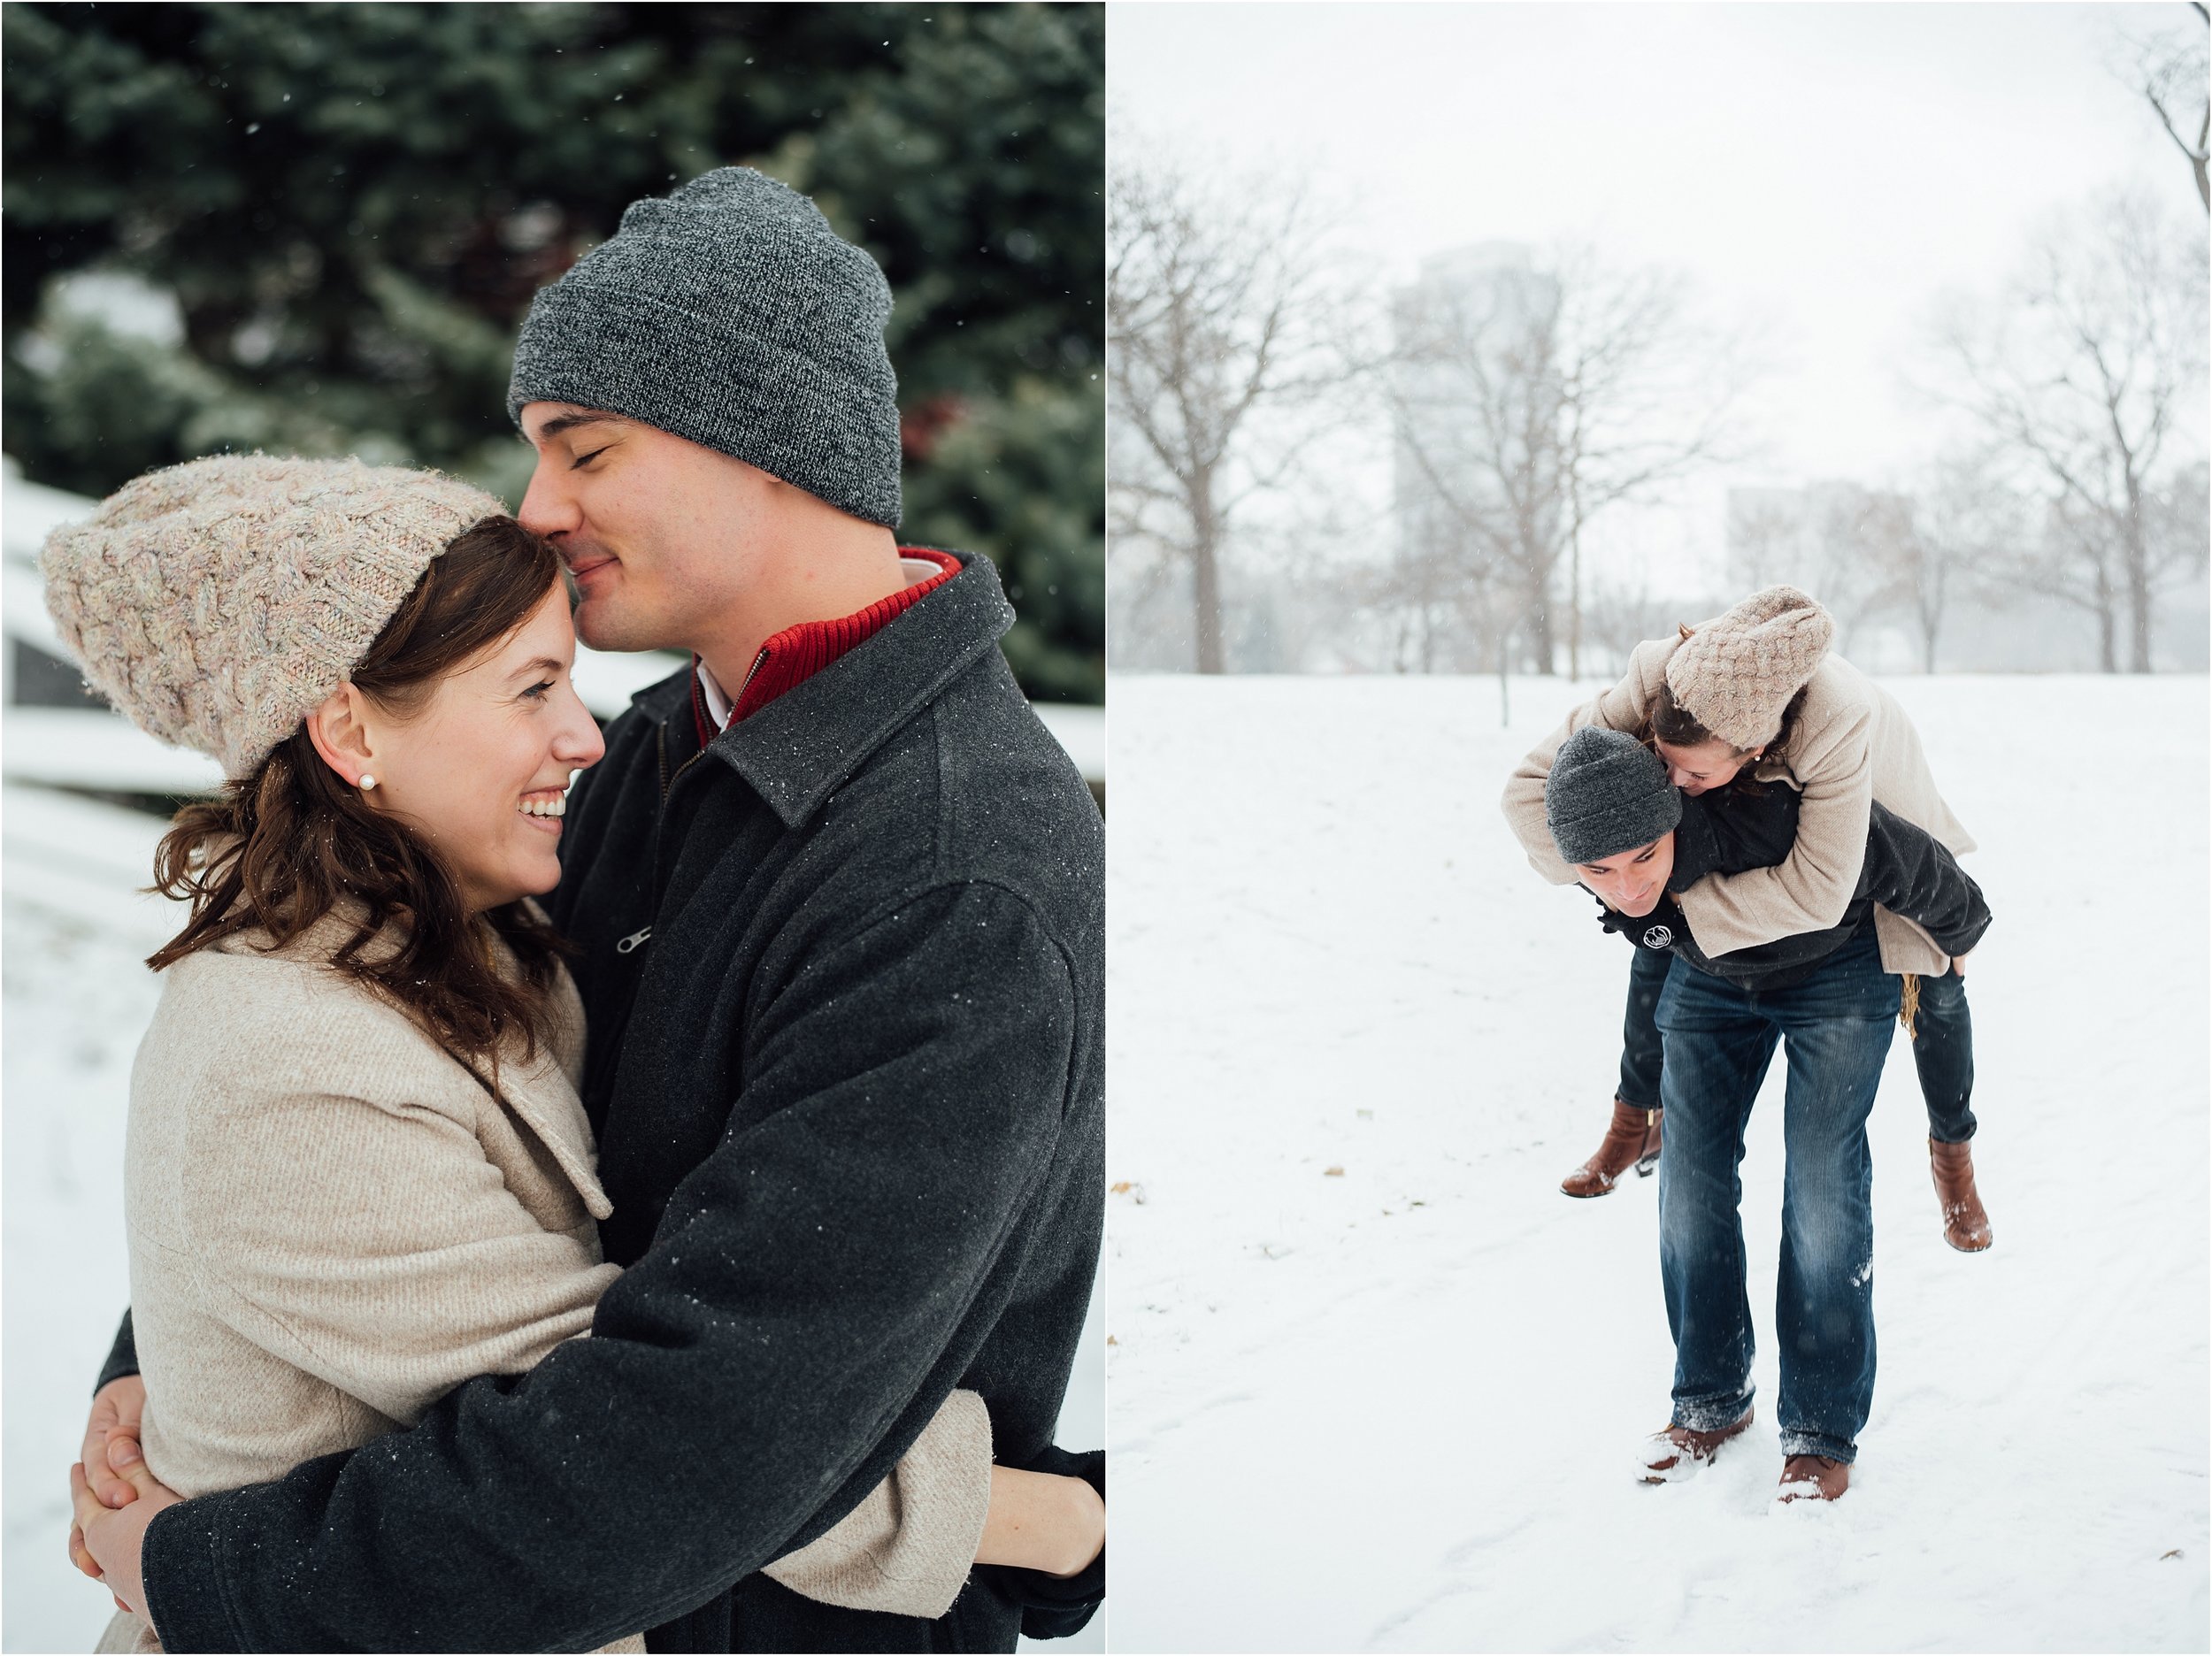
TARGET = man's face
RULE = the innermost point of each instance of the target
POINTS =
(1633, 881)
(656, 530)
(1707, 766)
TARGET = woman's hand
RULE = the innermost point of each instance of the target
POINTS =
(111, 1537)
(1041, 1521)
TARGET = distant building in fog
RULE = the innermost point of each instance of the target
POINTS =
(1452, 326)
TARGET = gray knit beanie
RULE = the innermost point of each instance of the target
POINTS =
(730, 313)
(1735, 675)
(1607, 793)
(218, 603)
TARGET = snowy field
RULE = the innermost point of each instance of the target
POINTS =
(1394, 1407)
(76, 999)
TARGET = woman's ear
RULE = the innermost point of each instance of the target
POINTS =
(341, 735)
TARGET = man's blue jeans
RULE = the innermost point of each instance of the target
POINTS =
(1835, 1029)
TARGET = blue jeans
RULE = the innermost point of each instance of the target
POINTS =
(1943, 1050)
(1835, 1029)
(1641, 1055)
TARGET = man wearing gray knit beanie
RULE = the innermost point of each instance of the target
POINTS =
(836, 897)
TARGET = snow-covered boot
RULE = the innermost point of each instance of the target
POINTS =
(1675, 1453)
(1812, 1477)
(1965, 1221)
(1633, 1141)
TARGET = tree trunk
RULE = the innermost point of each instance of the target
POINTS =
(1206, 572)
(1536, 632)
(1574, 596)
(2138, 580)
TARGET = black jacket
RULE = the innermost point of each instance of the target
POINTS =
(843, 972)
(1748, 826)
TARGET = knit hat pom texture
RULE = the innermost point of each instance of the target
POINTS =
(217, 603)
(1735, 675)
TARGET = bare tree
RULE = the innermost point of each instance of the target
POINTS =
(2078, 376)
(1216, 306)
(1528, 400)
(1766, 536)
(1960, 531)
(2171, 71)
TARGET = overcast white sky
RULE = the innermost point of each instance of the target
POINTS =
(1829, 167)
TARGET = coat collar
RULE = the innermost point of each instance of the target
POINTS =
(804, 746)
(542, 1093)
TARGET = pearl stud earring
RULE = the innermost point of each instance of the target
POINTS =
(367, 781)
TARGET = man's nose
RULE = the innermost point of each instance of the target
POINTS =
(548, 509)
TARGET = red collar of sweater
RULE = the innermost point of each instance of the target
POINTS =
(794, 656)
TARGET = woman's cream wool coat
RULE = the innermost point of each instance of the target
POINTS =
(332, 1223)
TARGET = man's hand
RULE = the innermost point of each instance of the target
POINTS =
(117, 1408)
(1958, 964)
(110, 1538)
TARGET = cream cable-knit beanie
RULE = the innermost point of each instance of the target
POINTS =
(1736, 675)
(218, 603)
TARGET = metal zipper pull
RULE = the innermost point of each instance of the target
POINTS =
(633, 941)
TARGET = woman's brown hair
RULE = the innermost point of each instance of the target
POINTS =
(281, 850)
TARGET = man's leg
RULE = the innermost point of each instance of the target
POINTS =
(1944, 1054)
(1836, 1032)
(1632, 1136)
(1718, 1048)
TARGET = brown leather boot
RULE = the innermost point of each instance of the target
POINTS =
(1633, 1141)
(1813, 1478)
(1675, 1453)
(1965, 1221)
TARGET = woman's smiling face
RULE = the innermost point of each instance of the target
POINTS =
(481, 768)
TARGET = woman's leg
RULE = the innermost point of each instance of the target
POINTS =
(1631, 1138)
(1836, 1032)
(1718, 1048)
(1642, 1056)
(1943, 1052)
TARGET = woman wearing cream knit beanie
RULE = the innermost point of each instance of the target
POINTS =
(359, 1171)
(1759, 688)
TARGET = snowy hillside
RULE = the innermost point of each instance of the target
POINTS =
(76, 999)
(1376, 1384)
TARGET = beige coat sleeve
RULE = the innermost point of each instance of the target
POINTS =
(373, 1245)
(1808, 890)
(907, 1548)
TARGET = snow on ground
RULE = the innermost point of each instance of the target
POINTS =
(76, 999)
(1394, 1407)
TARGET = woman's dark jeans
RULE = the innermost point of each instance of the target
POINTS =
(1835, 1031)
(1943, 1051)
(1943, 1048)
(1641, 1055)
